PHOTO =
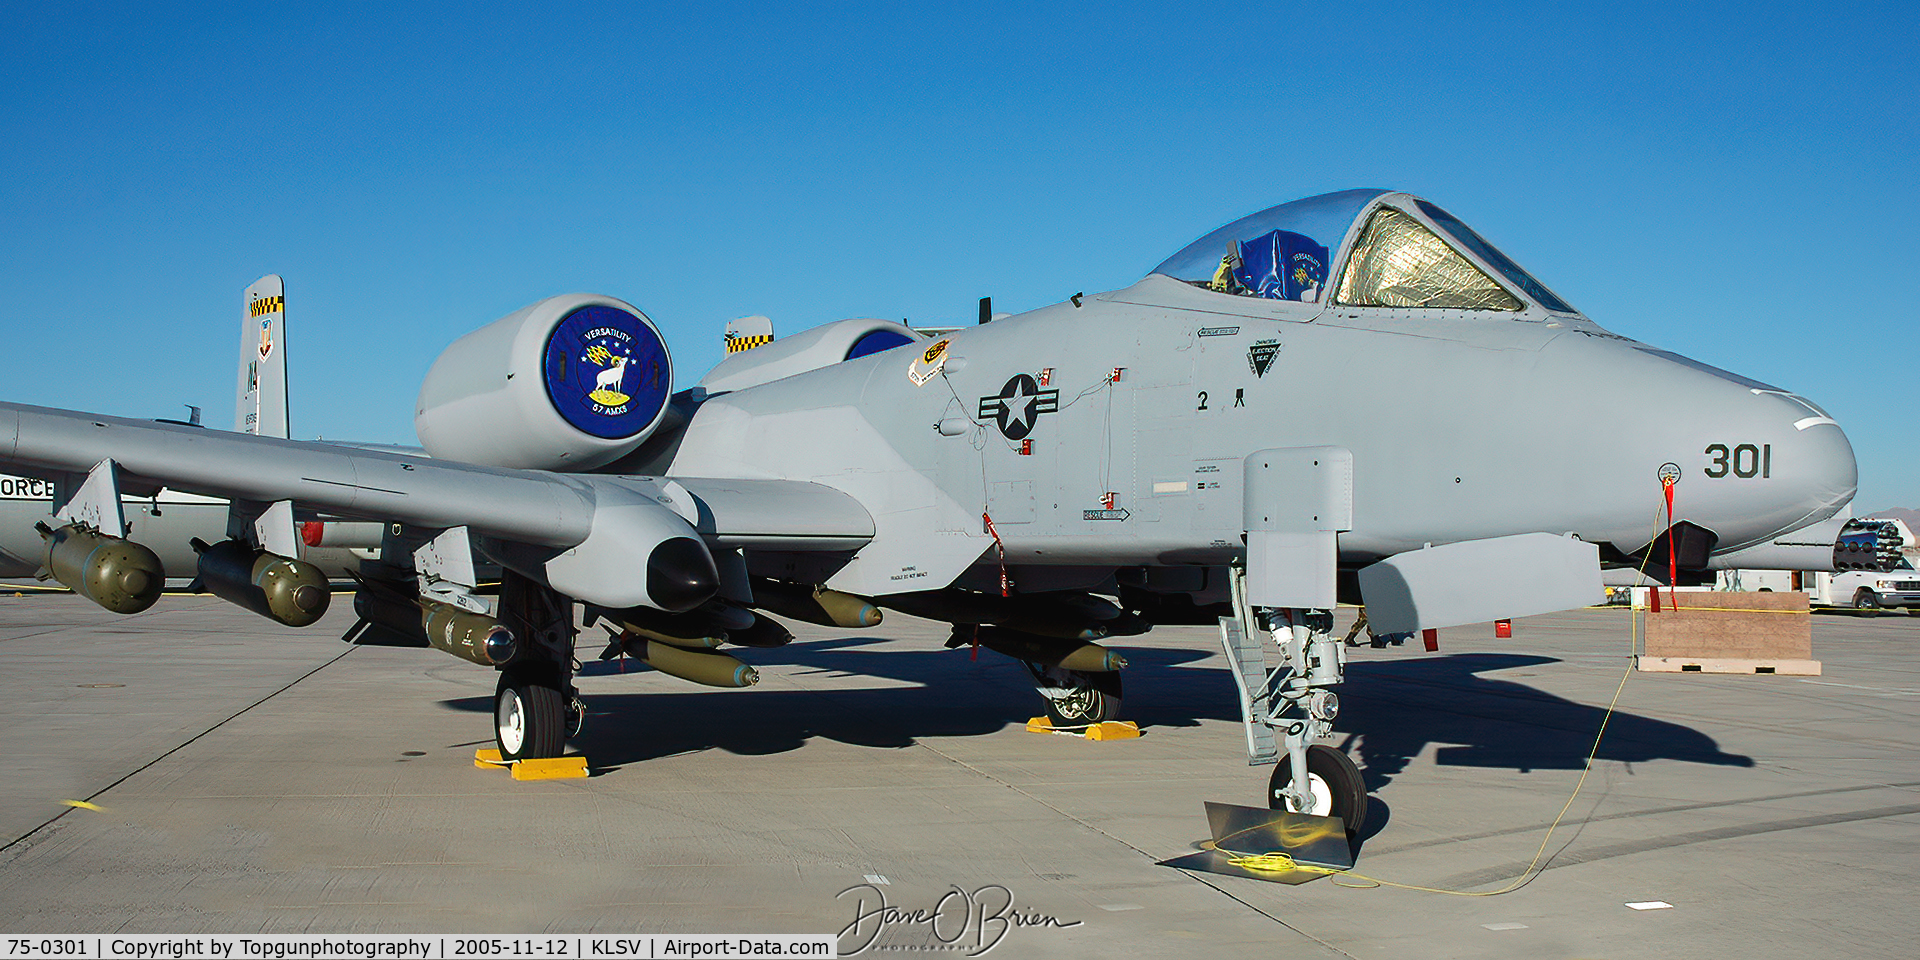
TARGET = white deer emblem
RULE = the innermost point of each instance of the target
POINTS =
(609, 379)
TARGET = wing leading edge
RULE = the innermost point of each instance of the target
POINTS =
(557, 514)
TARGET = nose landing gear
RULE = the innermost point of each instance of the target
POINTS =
(1333, 778)
(1294, 700)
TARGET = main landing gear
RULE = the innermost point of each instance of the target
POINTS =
(535, 705)
(529, 714)
(1296, 701)
(1076, 698)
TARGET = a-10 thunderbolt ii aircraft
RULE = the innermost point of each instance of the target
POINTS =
(1349, 395)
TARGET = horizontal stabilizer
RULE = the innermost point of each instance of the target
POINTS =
(1479, 580)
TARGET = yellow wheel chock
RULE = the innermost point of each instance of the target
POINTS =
(545, 768)
(1106, 730)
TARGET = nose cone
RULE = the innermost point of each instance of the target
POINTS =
(1830, 476)
(1755, 460)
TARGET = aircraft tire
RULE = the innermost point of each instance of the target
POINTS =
(1867, 602)
(1096, 700)
(529, 715)
(1334, 777)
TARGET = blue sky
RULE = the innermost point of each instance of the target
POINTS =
(1733, 182)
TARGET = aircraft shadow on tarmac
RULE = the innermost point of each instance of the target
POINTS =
(1390, 711)
(931, 693)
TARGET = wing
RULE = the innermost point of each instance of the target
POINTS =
(589, 536)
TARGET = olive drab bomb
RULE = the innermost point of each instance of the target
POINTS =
(815, 604)
(1047, 651)
(404, 620)
(709, 667)
(282, 589)
(116, 573)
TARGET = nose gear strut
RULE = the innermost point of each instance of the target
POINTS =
(1296, 700)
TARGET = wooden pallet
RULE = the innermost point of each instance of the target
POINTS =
(1791, 668)
(1737, 633)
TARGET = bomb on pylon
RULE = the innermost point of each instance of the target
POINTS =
(114, 572)
(282, 589)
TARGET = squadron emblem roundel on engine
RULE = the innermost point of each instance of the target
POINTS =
(606, 371)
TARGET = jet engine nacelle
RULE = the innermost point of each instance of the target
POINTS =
(640, 550)
(569, 383)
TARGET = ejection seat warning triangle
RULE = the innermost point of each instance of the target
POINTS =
(1260, 356)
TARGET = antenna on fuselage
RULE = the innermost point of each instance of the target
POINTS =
(986, 309)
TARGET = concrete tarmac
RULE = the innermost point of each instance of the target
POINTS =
(258, 779)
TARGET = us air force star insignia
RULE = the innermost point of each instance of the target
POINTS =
(1018, 405)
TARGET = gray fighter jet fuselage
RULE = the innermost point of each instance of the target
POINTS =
(1350, 395)
(1110, 431)
(1461, 428)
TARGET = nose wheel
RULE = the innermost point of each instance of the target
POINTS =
(1334, 780)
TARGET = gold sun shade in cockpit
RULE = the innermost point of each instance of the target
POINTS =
(1400, 263)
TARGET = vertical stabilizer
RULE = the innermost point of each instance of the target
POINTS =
(262, 405)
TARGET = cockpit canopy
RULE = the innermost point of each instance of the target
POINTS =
(1401, 252)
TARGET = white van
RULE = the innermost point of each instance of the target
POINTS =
(1898, 588)
(1866, 589)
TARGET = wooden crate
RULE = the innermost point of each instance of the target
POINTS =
(1731, 633)
(1790, 668)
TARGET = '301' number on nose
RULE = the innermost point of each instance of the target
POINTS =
(1745, 461)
